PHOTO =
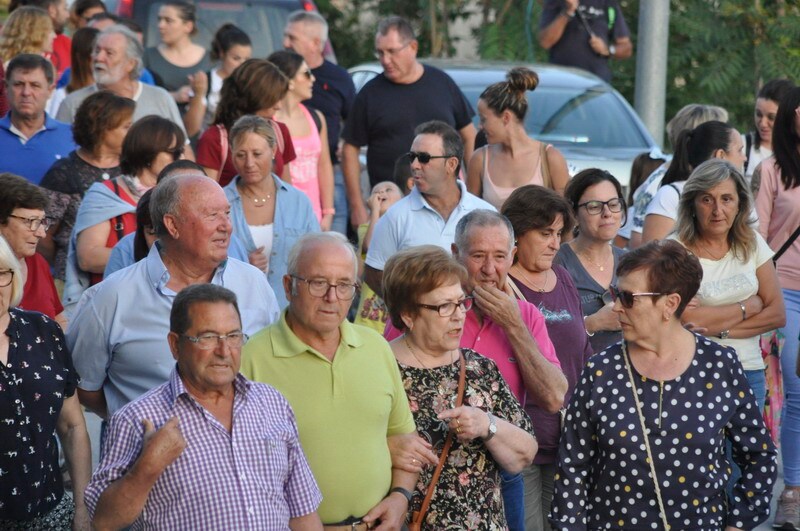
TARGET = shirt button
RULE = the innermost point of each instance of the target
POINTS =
(243, 477)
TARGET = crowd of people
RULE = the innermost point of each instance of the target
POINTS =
(486, 342)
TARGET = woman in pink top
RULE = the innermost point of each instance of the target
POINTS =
(778, 218)
(512, 157)
(312, 171)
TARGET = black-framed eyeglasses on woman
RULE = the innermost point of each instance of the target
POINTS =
(6, 277)
(210, 341)
(319, 287)
(449, 308)
(596, 207)
(627, 298)
(34, 223)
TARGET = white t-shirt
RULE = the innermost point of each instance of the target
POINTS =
(729, 280)
(755, 158)
(665, 202)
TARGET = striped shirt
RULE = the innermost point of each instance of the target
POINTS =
(255, 477)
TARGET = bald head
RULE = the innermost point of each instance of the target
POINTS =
(167, 194)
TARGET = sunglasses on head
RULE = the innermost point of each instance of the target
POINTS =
(423, 157)
(627, 298)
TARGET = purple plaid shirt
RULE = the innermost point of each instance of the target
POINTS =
(255, 477)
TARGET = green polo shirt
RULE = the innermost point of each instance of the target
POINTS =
(345, 409)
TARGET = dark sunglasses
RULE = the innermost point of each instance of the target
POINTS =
(423, 157)
(627, 298)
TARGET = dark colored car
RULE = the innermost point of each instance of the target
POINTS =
(262, 20)
(583, 116)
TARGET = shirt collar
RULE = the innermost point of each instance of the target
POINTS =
(285, 344)
(418, 201)
(241, 386)
(158, 273)
(48, 125)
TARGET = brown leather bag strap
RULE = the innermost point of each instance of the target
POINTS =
(420, 515)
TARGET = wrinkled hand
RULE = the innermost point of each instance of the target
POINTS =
(599, 46)
(258, 259)
(410, 452)
(199, 83)
(468, 422)
(163, 446)
(605, 319)
(81, 521)
(183, 94)
(497, 305)
(391, 511)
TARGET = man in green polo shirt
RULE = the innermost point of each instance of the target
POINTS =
(343, 383)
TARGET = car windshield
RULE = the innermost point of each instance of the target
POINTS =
(577, 117)
(263, 22)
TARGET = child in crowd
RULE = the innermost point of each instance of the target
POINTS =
(372, 311)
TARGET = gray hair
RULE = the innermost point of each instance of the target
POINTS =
(311, 18)
(452, 143)
(9, 261)
(711, 173)
(481, 218)
(313, 238)
(399, 24)
(692, 115)
(133, 49)
(179, 319)
(251, 123)
(164, 200)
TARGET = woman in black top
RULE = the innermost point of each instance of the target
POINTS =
(37, 401)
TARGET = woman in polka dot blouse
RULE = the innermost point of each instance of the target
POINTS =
(689, 395)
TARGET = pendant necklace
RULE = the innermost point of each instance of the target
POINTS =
(413, 353)
(601, 267)
(258, 202)
(535, 286)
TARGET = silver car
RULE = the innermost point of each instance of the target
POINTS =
(583, 116)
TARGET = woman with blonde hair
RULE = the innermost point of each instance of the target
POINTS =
(27, 30)
(512, 157)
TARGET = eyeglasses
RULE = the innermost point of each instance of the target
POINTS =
(210, 341)
(34, 223)
(176, 153)
(6, 276)
(449, 308)
(423, 157)
(626, 298)
(319, 287)
(308, 74)
(596, 207)
(391, 52)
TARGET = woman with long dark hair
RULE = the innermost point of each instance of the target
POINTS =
(778, 221)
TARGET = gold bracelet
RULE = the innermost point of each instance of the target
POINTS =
(744, 311)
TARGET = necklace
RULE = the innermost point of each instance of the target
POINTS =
(535, 286)
(414, 353)
(709, 253)
(628, 364)
(601, 267)
(258, 202)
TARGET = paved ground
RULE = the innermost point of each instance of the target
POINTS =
(93, 422)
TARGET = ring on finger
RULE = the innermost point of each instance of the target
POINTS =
(458, 422)
(458, 430)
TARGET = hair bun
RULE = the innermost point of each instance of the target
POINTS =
(522, 79)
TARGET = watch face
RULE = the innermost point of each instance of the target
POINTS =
(492, 428)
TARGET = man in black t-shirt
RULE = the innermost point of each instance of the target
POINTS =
(391, 105)
(585, 34)
(306, 33)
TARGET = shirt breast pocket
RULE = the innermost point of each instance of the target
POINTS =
(270, 461)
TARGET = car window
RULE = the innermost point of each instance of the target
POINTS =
(264, 23)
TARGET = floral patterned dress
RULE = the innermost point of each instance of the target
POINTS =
(468, 494)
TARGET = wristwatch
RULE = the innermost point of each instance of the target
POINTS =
(724, 334)
(492, 427)
(612, 50)
(402, 491)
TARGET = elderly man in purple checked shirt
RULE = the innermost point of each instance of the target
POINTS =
(208, 449)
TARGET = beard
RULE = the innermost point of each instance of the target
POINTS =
(107, 77)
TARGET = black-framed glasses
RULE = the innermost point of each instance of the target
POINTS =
(423, 157)
(627, 298)
(319, 287)
(596, 207)
(449, 308)
(34, 223)
(6, 277)
(390, 52)
(210, 341)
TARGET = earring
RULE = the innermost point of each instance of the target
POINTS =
(665, 318)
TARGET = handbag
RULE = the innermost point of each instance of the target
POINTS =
(417, 517)
(662, 510)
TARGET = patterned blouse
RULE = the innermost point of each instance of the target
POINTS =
(468, 493)
(603, 480)
(34, 382)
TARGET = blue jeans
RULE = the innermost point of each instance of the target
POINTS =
(758, 383)
(513, 500)
(341, 218)
(790, 417)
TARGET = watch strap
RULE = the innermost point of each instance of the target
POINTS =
(404, 492)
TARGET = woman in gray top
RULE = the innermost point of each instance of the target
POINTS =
(599, 207)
